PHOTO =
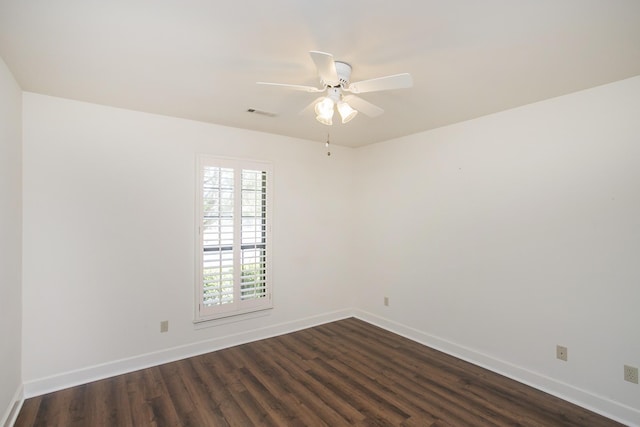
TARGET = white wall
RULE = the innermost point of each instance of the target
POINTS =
(500, 237)
(10, 240)
(109, 237)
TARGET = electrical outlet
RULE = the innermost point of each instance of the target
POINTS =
(386, 301)
(561, 352)
(164, 326)
(631, 374)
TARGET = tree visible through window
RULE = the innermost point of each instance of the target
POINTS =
(234, 271)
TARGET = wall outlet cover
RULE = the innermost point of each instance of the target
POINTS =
(164, 326)
(561, 353)
(631, 374)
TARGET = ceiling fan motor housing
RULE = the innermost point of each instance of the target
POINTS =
(334, 93)
(343, 70)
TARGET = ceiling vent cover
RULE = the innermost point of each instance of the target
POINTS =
(262, 113)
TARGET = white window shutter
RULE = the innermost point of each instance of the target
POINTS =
(234, 211)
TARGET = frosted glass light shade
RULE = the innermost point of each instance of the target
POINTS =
(324, 108)
(325, 120)
(346, 112)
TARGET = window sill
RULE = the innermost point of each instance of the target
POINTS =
(231, 318)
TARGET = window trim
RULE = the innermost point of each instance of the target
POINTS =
(237, 308)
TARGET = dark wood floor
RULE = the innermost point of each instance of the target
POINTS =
(341, 373)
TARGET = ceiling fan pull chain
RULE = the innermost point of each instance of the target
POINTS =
(326, 144)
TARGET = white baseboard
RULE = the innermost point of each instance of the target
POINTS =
(11, 413)
(131, 364)
(599, 404)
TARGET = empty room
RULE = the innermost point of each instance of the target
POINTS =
(411, 213)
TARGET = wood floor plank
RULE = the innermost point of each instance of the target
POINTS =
(243, 384)
(196, 390)
(141, 413)
(181, 399)
(410, 400)
(288, 359)
(368, 402)
(262, 371)
(224, 389)
(307, 401)
(121, 402)
(342, 373)
(29, 412)
(160, 400)
(45, 415)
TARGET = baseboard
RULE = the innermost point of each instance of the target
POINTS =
(123, 366)
(601, 405)
(11, 413)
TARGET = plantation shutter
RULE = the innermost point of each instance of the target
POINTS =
(234, 237)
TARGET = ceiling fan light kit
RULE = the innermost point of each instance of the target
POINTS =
(324, 110)
(346, 112)
(335, 78)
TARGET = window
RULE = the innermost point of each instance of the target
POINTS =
(233, 270)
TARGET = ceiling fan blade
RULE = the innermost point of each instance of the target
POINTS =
(397, 81)
(366, 108)
(294, 87)
(326, 67)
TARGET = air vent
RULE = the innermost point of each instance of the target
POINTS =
(262, 113)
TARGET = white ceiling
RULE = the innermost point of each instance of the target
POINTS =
(200, 59)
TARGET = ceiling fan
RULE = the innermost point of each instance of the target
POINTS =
(335, 79)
